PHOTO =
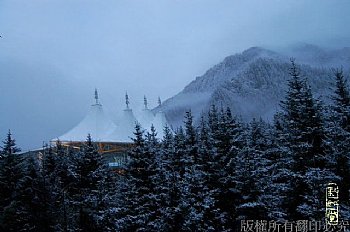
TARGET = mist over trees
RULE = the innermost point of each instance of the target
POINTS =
(204, 177)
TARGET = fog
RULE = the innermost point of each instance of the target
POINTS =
(54, 53)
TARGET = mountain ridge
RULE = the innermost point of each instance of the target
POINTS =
(252, 83)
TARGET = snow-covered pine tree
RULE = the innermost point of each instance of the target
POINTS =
(207, 151)
(33, 208)
(62, 189)
(235, 129)
(279, 174)
(210, 134)
(341, 144)
(338, 129)
(49, 164)
(196, 201)
(163, 213)
(341, 99)
(11, 172)
(139, 208)
(220, 135)
(167, 185)
(151, 138)
(213, 119)
(9, 147)
(250, 166)
(89, 171)
(176, 173)
(293, 112)
(179, 156)
(304, 122)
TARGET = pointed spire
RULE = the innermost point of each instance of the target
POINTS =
(96, 96)
(145, 102)
(127, 102)
(159, 102)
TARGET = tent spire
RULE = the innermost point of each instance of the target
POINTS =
(145, 102)
(96, 96)
(159, 102)
(127, 102)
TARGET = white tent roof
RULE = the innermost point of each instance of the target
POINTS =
(102, 129)
(159, 122)
(96, 123)
(124, 130)
(146, 118)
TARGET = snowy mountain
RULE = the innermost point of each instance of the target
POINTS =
(318, 57)
(253, 82)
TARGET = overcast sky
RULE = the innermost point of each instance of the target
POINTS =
(53, 53)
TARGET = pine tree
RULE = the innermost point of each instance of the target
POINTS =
(341, 99)
(9, 148)
(305, 128)
(251, 169)
(33, 205)
(166, 184)
(338, 128)
(196, 201)
(279, 174)
(87, 186)
(63, 188)
(139, 207)
(226, 137)
(10, 176)
(49, 164)
(176, 173)
(151, 137)
(179, 147)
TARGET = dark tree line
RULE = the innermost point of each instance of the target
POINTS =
(204, 177)
(60, 190)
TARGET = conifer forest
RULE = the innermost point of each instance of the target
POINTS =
(207, 176)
